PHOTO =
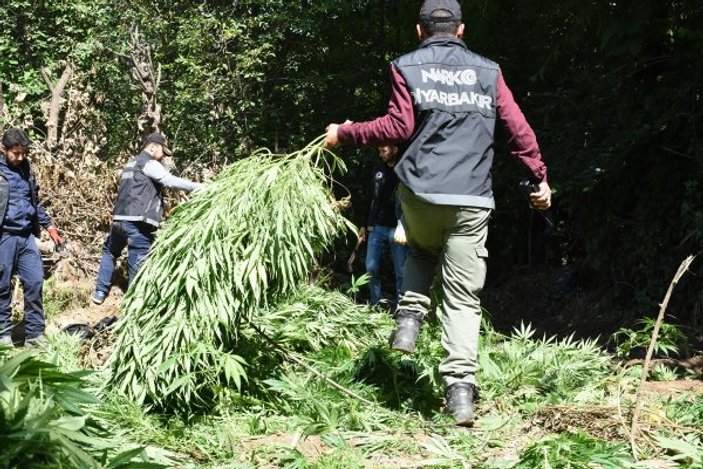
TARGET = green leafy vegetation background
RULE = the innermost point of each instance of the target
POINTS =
(613, 90)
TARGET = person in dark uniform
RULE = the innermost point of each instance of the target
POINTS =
(381, 223)
(444, 105)
(138, 211)
(21, 216)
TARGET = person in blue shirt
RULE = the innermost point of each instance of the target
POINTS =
(21, 216)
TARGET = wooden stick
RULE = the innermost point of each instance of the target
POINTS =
(287, 354)
(645, 371)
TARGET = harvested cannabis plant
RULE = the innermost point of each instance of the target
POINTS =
(249, 238)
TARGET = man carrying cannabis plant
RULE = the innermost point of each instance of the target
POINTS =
(138, 211)
(21, 216)
(444, 105)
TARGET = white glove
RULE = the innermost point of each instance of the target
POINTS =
(399, 234)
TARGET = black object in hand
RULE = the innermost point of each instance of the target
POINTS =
(528, 187)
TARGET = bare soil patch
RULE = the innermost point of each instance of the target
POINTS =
(674, 388)
(96, 349)
(86, 315)
(555, 301)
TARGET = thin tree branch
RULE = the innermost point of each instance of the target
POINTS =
(47, 79)
(645, 371)
(288, 355)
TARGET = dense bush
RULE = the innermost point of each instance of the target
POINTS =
(613, 90)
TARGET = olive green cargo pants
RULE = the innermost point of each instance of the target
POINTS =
(449, 241)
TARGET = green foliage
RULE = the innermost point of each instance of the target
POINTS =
(45, 419)
(404, 382)
(356, 284)
(685, 445)
(628, 340)
(312, 318)
(660, 372)
(58, 299)
(574, 450)
(63, 351)
(42, 420)
(526, 370)
(687, 412)
(36, 35)
(686, 450)
(317, 408)
(286, 402)
(310, 323)
(250, 237)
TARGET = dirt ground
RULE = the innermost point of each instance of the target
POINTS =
(90, 314)
(674, 388)
(553, 301)
(75, 269)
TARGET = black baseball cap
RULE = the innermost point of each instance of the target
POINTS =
(431, 6)
(156, 137)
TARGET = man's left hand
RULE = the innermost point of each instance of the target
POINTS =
(399, 236)
(542, 199)
(55, 236)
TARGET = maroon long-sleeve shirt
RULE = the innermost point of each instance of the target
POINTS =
(398, 125)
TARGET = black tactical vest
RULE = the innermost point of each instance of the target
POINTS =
(139, 197)
(449, 156)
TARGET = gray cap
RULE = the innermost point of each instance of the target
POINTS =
(450, 6)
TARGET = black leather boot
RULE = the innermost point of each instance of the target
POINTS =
(406, 330)
(460, 402)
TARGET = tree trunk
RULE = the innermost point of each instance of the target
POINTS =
(56, 89)
(148, 79)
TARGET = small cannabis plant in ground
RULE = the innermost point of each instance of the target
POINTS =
(629, 340)
(523, 369)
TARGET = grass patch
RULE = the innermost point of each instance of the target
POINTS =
(60, 298)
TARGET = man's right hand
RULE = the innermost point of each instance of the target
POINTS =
(362, 234)
(331, 139)
(542, 199)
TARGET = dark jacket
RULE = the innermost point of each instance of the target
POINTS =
(20, 210)
(139, 197)
(382, 209)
